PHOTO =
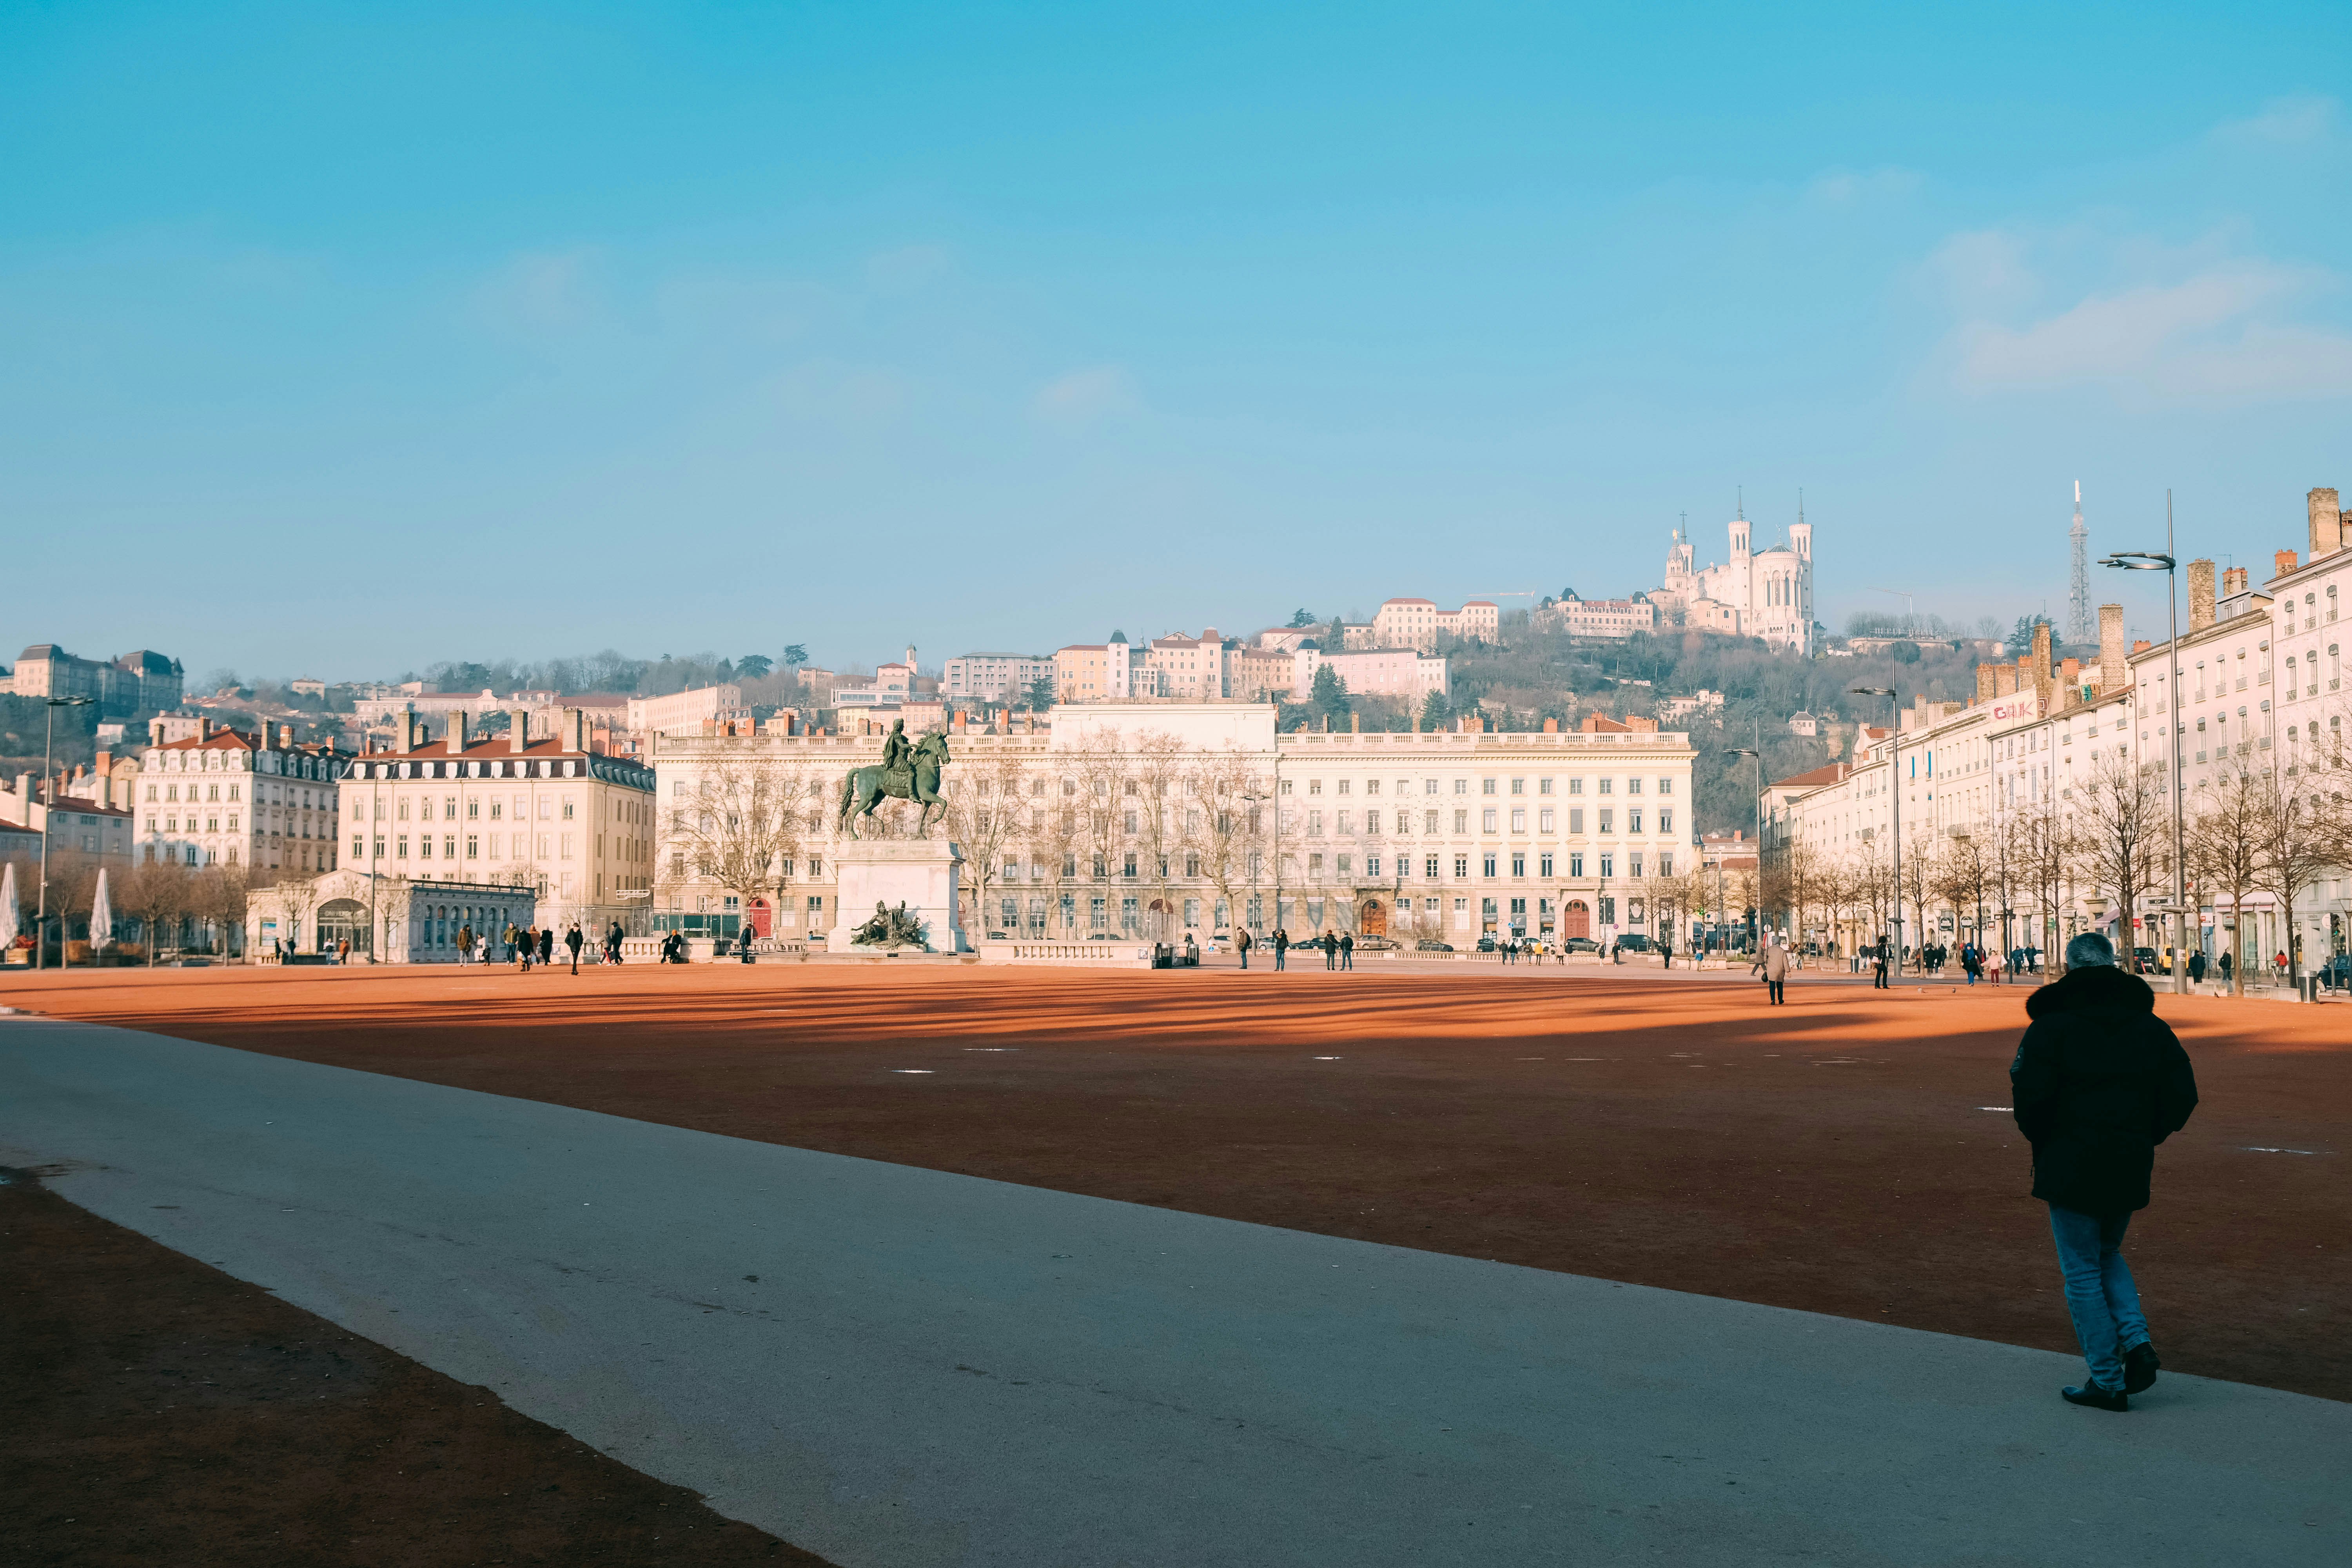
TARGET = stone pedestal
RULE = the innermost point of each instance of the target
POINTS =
(924, 874)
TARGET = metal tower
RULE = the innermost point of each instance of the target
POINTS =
(2078, 596)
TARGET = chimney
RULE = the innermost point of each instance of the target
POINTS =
(1355, 723)
(2040, 668)
(1551, 727)
(2234, 582)
(2111, 647)
(2326, 523)
(2004, 681)
(460, 732)
(204, 730)
(286, 737)
(261, 736)
(2069, 676)
(2282, 562)
(2201, 594)
(154, 731)
(2141, 645)
(1986, 674)
(518, 730)
(575, 730)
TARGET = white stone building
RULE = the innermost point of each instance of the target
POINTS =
(1156, 820)
(993, 678)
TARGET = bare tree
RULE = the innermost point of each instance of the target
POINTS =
(1159, 770)
(1969, 873)
(986, 816)
(158, 894)
(2124, 820)
(219, 900)
(746, 820)
(2226, 841)
(1917, 881)
(2303, 837)
(2043, 848)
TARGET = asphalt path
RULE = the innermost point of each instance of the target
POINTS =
(895, 1367)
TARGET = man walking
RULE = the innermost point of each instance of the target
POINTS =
(575, 941)
(1773, 965)
(1878, 966)
(546, 946)
(2099, 1082)
(1331, 951)
(1241, 946)
(613, 943)
(1281, 949)
(1348, 950)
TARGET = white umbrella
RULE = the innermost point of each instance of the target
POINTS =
(101, 915)
(9, 904)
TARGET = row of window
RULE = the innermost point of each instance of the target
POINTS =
(547, 807)
(1489, 820)
(497, 845)
(1606, 785)
(1403, 867)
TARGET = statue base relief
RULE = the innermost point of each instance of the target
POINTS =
(924, 874)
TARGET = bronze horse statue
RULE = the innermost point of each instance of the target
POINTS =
(919, 781)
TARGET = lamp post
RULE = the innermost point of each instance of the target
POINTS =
(1895, 784)
(48, 809)
(2150, 561)
(1752, 754)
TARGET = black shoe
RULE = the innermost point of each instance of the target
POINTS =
(2097, 1398)
(2139, 1368)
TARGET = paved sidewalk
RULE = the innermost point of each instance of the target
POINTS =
(895, 1367)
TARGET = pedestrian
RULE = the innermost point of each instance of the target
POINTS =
(1996, 968)
(1242, 945)
(1281, 949)
(2229, 963)
(575, 941)
(613, 942)
(1971, 962)
(2197, 967)
(2099, 1082)
(546, 945)
(1331, 951)
(1773, 965)
(1878, 967)
(1348, 950)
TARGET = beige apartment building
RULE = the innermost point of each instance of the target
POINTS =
(233, 797)
(1162, 820)
(1418, 623)
(685, 710)
(574, 826)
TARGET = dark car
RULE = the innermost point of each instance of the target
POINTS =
(2144, 960)
(2336, 973)
(1426, 945)
(1635, 943)
(1486, 944)
(1579, 944)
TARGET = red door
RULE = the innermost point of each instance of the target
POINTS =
(761, 917)
(1576, 919)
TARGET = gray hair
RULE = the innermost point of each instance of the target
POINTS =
(2090, 951)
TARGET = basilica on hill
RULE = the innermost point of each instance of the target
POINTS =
(1765, 593)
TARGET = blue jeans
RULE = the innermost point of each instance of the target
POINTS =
(2100, 1295)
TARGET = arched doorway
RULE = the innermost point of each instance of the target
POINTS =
(1372, 920)
(1575, 920)
(763, 916)
(341, 920)
(1161, 916)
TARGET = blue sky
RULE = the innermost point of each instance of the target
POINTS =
(340, 341)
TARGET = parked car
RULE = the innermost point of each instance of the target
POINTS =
(2336, 973)
(1427, 945)
(1579, 944)
(2143, 961)
(1634, 943)
(1486, 944)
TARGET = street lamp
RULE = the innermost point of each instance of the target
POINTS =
(2150, 561)
(1895, 784)
(48, 809)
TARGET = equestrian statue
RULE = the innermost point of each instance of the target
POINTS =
(907, 771)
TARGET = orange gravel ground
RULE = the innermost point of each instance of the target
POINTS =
(1835, 1155)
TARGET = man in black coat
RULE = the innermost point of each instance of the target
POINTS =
(2099, 1082)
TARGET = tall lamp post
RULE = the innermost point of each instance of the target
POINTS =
(1895, 784)
(2150, 561)
(1752, 754)
(48, 809)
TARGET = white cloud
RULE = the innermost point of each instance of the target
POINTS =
(542, 294)
(2283, 122)
(1851, 187)
(2205, 328)
(907, 268)
(1085, 398)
